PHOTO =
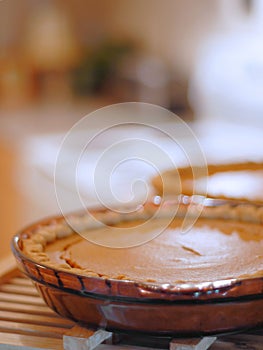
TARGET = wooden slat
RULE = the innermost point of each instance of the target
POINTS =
(123, 347)
(192, 344)
(30, 310)
(29, 342)
(31, 329)
(34, 319)
(239, 341)
(25, 320)
(23, 299)
(24, 290)
(83, 338)
(220, 345)
(21, 281)
(247, 345)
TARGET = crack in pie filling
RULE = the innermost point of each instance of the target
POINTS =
(225, 242)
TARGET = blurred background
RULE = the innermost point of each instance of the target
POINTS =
(61, 59)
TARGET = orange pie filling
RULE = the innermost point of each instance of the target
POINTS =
(224, 243)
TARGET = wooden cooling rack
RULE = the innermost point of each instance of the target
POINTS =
(25, 320)
(27, 323)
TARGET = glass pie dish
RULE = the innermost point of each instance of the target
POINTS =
(218, 276)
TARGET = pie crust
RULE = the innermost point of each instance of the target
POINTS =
(225, 242)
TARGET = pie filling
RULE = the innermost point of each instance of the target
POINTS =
(212, 249)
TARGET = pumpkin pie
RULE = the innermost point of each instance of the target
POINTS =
(240, 181)
(225, 242)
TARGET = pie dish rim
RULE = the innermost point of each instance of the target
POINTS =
(243, 287)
